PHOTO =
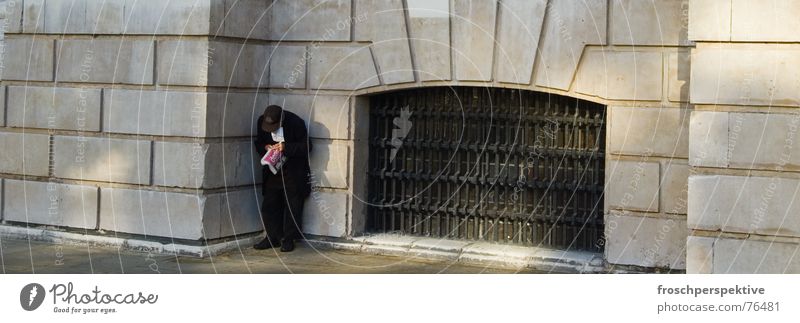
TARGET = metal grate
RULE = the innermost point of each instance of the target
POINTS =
(487, 164)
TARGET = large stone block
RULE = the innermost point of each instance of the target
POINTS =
(232, 163)
(709, 144)
(765, 21)
(234, 114)
(733, 256)
(50, 203)
(213, 63)
(518, 32)
(679, 68)
(648, 131)
(327, 116)
(248, 19)
(159, 113)
(239, 212)
(119, 60)
(646, 241)
(102, 159)
(710, 20)
(473, 39)
(700, 255)
(325, 214)
(24, 153)
(211, 165)
(675, 187)
(330, 161)
(746, 74)
(658, 22)
(174, 17)
(54, 108)
(162, 214)
(384, 23)
(83, 17)
(568, 27)
(322, 20)
(764, 141)
(632, 185)
(33, 17)
(760, 205)
(13, 16)
(341, 68)
(429, 27)
(634, 76)
(28, 59)
(287, 67)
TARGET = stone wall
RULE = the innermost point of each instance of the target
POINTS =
(744, 146)
(133, 117)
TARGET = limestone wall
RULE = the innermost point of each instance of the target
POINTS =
(743, 152)
(133, 117)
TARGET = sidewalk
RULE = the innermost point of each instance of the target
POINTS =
(24, 257)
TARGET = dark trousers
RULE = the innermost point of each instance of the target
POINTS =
(282, 212)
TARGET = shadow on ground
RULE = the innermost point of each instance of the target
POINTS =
(26, 257)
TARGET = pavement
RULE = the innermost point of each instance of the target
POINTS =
(35, 257)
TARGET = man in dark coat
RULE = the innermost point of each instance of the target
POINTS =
(284, 192)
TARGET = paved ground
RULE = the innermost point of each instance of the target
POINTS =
(22, 256)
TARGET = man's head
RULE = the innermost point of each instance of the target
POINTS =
(272, 118)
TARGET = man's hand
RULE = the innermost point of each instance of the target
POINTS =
(278, 147)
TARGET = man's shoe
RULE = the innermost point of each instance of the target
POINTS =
(287, 245)
(266, 244)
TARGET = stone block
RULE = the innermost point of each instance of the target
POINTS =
(185, 62)
(28, 59)
(158, 113)
(234, 114)
(657, 23)
(341, 68)
(383, 22)
(765, 21)
(327, 116)
(181, 164)
(429, 27)
(710, 20)
(709, 144)
(675, 186)
(632, 185)
(84, 16)
(33, 16)
(568, 27)
(473, 24)
(322, 20)
(124, 61)
(325, 214)
(287, 67)
(231, 163)
(634, 76)
(518, 30)
(679, 68)
(330, 163)
(764, 141)
(13, 16)
(102, 159)
(187, 216)
(50, 203)
(746, 74)
(54, 108)
(760, 205)
(2, 103)
(24, 153)
(174, 17)
(646, 241)
(648, 131)
(239, 212)
(700, 255)
(733, 256)
(255, 13)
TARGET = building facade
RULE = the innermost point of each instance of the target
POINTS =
(133, 120)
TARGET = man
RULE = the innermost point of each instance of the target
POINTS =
(285, 191)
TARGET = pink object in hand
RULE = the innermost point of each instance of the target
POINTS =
(274, 159)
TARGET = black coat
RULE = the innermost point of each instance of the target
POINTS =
(294, 175)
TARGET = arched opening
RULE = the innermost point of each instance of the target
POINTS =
(490, 164)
